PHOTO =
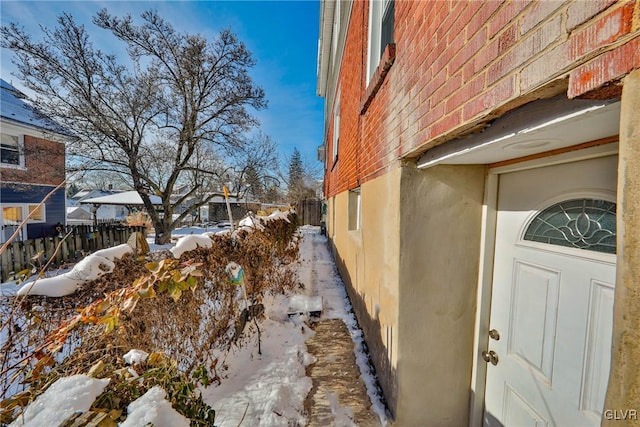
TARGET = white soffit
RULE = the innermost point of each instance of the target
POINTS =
(534, 128)
(324, 45)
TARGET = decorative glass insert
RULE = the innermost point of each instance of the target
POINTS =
(580, 223)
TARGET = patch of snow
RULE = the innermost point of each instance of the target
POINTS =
(64, 398)
(267, 389)
(89, 268)
(191, 242)
(304, 304)
(134, 357)
(115, 252)
(342, 416)
(8, 289)
(251, 222)
(153, 409)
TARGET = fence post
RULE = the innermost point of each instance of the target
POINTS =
(56, 241)
(65, 250)
(39, 243)
(17, 256)
(5, 263)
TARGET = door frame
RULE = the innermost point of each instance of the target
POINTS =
(487, 253)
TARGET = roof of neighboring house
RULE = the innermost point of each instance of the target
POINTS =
(126, 198)
(14, 106)
(84, 194)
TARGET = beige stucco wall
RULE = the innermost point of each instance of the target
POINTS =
(623, 393)
(440, 225)
(411, 272)
(368, 262)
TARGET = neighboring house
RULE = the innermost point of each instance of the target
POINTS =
(32, 164)
(121, 202)
(239, 208)
(104, 212)
(478, 156)
(77, 215)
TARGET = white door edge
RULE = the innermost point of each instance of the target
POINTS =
(483, 302)
(486, 261)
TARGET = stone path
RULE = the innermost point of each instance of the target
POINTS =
(338, 396)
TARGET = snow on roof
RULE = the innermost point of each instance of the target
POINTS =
(14, 106)
(127, 198)
(77, 212)
(85, 194)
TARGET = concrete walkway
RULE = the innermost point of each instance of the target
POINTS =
(338, 396)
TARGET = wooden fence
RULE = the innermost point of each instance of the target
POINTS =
(309, 212)
(83, 240)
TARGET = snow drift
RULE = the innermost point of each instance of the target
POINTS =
(89, 268)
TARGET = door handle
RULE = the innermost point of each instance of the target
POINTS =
(490, 357)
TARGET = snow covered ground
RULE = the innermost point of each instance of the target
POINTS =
(267, 389)
(270, 390)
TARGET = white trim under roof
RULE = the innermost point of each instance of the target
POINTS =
(13, 127)
(324, 45)
(537, 127)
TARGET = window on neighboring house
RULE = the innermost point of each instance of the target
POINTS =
(14, 213)
(336, 128)
(10, 150)
(355, 209)
(38, 213)
(381, 21)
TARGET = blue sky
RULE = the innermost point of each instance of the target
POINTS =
(282, 35)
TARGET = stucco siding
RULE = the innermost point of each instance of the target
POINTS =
(440, 225)
(368, 262)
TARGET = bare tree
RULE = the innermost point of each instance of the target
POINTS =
(153, 119)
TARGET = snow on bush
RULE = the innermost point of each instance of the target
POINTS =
(64, 398)
(89, 268)
(153, 409)
(191, 242)
(134, 357)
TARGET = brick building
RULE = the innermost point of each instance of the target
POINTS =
(32, 164)
(481, 174)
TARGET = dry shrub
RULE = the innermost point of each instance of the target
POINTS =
(185, 330)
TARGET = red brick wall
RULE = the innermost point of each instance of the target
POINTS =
(44, 163)
(458, 63)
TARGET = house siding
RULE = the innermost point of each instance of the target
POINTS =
(461, 64)
(42, 167)
(43, 163)
(34, 194)
(455, 67)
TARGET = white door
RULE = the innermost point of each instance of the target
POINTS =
(552, 295)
